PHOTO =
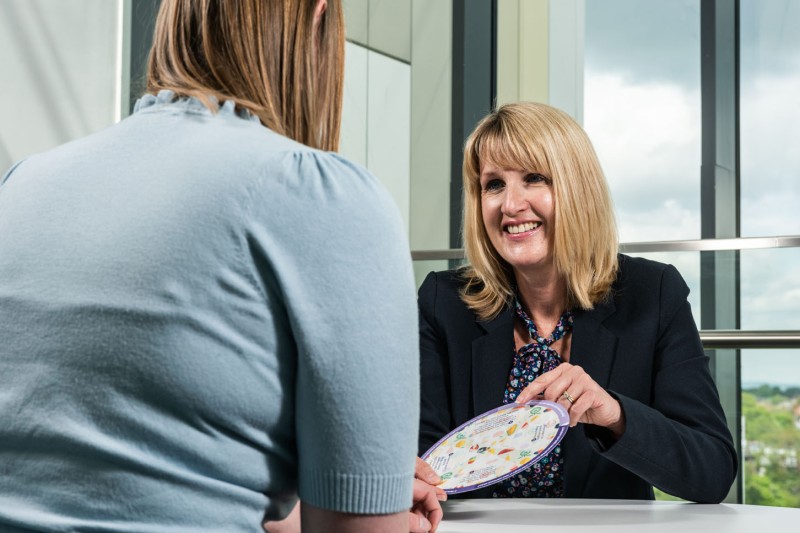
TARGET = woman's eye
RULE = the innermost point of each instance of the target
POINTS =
(493, 185)
(536, 178)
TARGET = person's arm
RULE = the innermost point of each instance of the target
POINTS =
(435, 416)
(680, 443)
(316, 520)
(423, 517)
(332, 245)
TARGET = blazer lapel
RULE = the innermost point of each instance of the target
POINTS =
(491, 362)
(593, 348)
(593, 345)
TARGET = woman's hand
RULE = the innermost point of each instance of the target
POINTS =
(426, 513)
(585, 400)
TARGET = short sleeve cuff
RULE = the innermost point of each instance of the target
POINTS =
(357, 493)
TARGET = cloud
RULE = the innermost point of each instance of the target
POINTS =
(647, 137)
(662, 46)
(770, 289)
(770, 160)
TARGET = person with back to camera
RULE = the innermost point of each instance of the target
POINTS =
(204, 312)
(547, 308)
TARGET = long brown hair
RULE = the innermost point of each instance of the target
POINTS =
(540, 138)
(265, 55)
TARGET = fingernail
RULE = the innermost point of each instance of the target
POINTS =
(424, 524)
(441, 495)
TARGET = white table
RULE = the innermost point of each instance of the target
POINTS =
(600, 516)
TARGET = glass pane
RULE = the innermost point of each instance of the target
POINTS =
(770, 289)
(642, 111)
(771, 425)
(770, 296)
(770, 117)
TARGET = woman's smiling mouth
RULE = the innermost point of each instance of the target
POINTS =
(521, 228)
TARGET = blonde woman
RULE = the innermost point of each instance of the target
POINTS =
(547, 308)
(199, 306)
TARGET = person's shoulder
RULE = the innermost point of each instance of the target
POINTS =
(641, 277)
(639, 265)
(10, 171)
(338, 171)
(450, 281)
(443, 290)
(642, 270)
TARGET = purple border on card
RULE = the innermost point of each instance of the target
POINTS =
(563, 425)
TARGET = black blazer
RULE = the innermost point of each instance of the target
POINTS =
(641, 345)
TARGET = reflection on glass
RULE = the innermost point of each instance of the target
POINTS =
(769, 117)
(642, 111)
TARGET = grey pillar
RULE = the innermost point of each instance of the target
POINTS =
(474, 87)
(719, 286)
(142, 22)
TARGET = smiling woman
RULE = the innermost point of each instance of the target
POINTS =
(570, 187)
(547, 308)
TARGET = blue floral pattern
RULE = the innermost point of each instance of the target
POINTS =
(545, 478)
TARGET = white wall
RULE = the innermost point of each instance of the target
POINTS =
(58, 72)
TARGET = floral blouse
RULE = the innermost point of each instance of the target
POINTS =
(545, 478)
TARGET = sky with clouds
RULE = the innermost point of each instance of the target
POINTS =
(642, 111)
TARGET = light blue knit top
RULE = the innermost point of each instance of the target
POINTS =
(199, 319)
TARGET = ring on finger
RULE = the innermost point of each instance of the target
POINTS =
(567, 396)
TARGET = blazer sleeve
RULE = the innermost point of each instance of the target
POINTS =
(435, 412)
(680, 443)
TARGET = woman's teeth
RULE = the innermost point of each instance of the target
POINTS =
(528, 226)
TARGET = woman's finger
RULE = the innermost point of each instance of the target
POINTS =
(541, 383)
(426, 473)
(418, 523)
(426, 506)
(578, 409)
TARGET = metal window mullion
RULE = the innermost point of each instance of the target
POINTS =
(719, 197)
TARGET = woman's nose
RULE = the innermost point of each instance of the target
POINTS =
(514, 200)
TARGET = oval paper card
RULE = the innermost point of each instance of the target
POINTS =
(497, 444)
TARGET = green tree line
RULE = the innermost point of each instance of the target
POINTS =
(769, 421)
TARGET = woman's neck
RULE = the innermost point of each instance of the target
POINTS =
(543, 296)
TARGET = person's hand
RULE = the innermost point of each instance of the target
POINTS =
(423, 471)
(426, 513)
(585, 400)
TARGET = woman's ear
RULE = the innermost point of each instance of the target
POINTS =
(322, 5)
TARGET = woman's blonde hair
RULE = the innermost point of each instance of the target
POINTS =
(267, 56)
(539, 138)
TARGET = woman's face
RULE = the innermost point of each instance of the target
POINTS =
(518, 212)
